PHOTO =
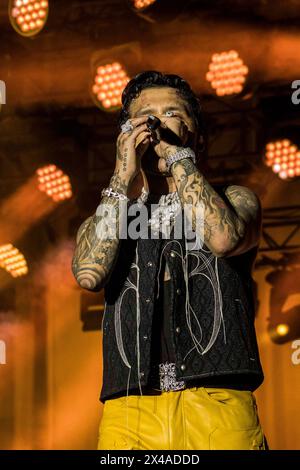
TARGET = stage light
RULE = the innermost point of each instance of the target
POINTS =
(283, 156)
(282, 150)
(158, 10)
(12, 260)
(54, 183)
(279, 333)
(227, 73)
(141, 4)
(109, 81)
(111, 70)
(284, 319)
(282, 329)
(28, 17)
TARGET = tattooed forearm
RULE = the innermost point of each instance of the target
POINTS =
(95, 253)
(223, 226)
(123, 159)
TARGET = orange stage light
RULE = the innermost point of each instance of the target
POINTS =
(28, 17)
(109, 81)
(12, 260)
(140, 4)
(282, 329)
(54, 183)
(227, 73)
(284, 158)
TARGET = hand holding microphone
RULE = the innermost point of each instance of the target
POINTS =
(161, 132)
(169, 144)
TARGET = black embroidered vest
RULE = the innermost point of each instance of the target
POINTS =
(212, 320)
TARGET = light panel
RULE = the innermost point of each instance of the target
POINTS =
(28, 17)
(109, 82)
(227, 73)
(12, 260)
(54, 183)
(284, 158)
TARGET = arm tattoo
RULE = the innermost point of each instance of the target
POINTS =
(95, 255)
(123, 158)
(224, 226)
(245, 200)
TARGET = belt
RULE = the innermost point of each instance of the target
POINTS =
(167, 378)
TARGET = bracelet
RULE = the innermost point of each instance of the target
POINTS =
(179, 155)
(112, 193)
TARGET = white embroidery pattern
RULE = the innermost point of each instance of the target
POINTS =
(203, 263)
(214, 280)
(118, 328)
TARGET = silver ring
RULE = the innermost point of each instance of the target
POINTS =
(127, 127)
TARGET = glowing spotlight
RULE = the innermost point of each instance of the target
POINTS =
(141, 4)
(28, 17)
(282, 329)
(284, 158)
(279, 333)
(109, 81)
(227, 73)
(158, 10)
(109, 76)
(12, 260)
(54, 183)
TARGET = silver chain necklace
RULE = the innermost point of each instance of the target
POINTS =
(163, 217)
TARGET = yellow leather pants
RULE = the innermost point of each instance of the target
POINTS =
(197, 418)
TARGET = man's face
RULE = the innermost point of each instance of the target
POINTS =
(173, 111)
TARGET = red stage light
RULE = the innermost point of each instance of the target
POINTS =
(109, 82)
(284, 158)
(54, 183)
(12, 260)
(28, 17)
(227, 73)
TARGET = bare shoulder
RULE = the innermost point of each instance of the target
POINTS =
(247, 206)
(244, 200)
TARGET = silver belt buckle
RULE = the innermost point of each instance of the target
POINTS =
(167, 378)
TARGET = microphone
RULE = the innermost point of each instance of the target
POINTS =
(165, 134)
(153, 122)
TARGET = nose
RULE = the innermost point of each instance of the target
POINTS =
(163, 121)
(163, 124)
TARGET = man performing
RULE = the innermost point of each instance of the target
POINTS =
(180, 354)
